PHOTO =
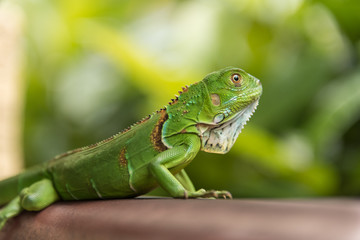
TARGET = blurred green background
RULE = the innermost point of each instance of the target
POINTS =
(94, 67)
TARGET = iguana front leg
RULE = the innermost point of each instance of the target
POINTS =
(177, 157)
(184, 180)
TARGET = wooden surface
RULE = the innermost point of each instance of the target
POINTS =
(191, 219)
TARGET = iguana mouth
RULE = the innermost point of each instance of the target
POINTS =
(220, 138)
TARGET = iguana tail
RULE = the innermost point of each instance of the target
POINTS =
(8, 189)
(11, 187)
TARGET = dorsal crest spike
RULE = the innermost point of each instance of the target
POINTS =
(184, 89)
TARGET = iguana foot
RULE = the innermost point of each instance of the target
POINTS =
(217, 194)
(202, 193)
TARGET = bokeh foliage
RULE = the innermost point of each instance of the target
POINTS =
(95, 67)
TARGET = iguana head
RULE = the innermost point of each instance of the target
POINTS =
(233, 96)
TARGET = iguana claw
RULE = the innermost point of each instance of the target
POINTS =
(202, 193)
(217, 194)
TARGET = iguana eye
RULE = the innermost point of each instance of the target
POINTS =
(236, 79)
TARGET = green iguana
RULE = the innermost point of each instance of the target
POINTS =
(207, 115)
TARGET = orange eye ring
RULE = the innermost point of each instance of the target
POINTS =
(236, 79)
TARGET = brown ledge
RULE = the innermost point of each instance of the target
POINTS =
(190, 219)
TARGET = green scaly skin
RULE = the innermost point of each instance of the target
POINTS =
(207, 116)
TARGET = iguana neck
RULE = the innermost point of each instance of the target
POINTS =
(183, 112)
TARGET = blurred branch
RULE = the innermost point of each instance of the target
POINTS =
(291, 157)
(11, 89)
(337, 108)
(139, 63)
